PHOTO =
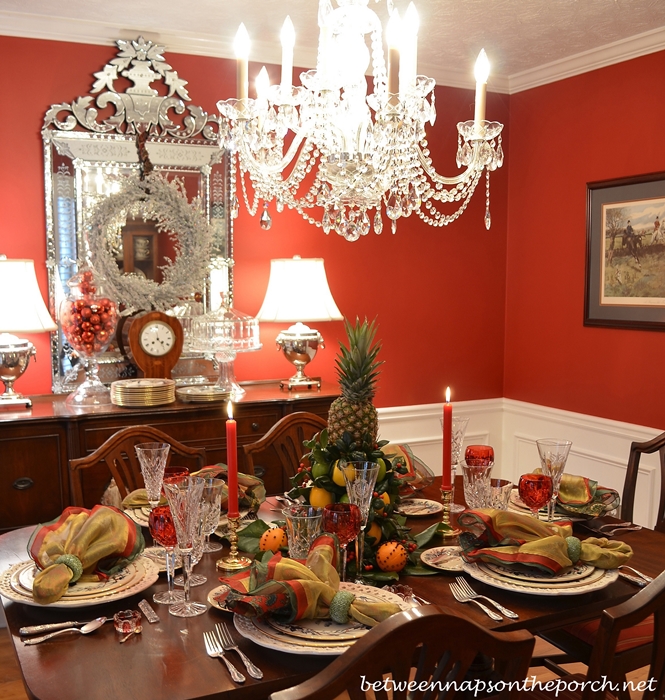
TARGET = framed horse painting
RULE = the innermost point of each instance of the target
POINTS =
(625, 271)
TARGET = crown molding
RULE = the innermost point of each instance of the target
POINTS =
(32, 26)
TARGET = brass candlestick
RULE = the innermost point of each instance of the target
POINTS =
(446, 500)
(233, 562)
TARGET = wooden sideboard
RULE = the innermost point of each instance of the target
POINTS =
(36, 444)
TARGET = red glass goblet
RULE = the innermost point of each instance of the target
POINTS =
(535, 490)
(343, 520)
(162, 531)
(479, 455)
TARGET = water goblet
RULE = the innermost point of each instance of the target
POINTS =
(360, 478)
(535, 490)
(162, 531)
(212, 503)
(184, 499)
(343, 520)
(197, 555)
(152, 457)
(457, 438)
(553, 455)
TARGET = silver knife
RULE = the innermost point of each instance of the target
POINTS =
(51, 627)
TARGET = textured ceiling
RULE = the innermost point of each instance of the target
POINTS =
(519, 35)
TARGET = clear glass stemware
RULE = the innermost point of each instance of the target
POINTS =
(343, 520)
(163, 532)
(152, 457)
(553, 456)
(360, 478)
(457, 438)
(184, 499)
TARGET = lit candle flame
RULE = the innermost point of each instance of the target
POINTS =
(229, 410)
(448, 394)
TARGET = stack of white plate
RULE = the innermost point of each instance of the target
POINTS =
(142, 392)
(202, 393)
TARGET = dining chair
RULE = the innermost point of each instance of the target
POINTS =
(605, 660)
(637, 449)
(634, 645)
(429, 646)
(285, 440)
(117, 457)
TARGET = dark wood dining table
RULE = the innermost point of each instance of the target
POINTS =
(168, 660)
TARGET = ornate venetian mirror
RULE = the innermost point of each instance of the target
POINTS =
(92, 153)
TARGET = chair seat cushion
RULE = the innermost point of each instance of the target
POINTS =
(629, 638)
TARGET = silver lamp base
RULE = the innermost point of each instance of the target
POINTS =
(299, 345)
(15, 355)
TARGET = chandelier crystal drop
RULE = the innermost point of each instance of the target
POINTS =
(342, 157)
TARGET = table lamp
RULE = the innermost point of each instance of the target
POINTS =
(22, 310)
(298, 292)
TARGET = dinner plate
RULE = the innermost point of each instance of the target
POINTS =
(419, 507)
(517, 505)
(158, 555)
(267, 636)
(601, 579)
(319, 630)
(443, 558)
(138, 515)
(531, 575)
(149, 575)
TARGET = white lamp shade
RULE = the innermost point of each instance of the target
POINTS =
(298, 291)
(22, 308)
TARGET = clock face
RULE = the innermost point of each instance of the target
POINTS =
(157, 338)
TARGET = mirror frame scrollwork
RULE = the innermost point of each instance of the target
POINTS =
(90, 152)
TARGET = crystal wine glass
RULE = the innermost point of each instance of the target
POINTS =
(184, 498)
(535, 490)
(342, 520)
(162, 531)
(152, 458)
(457, 438)
(553, 455)
(212, 504)
(197, 555)
(360, 478)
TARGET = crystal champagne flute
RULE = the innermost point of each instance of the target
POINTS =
(360, 478)
(152, 457)
(344, 521)
(553, 456)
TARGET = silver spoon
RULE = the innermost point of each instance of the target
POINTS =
(86, 629)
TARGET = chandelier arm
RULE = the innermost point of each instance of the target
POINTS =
(466, 176)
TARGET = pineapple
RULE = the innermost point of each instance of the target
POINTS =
(357, 368)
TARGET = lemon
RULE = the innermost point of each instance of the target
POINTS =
(338, 474)
(375, 532)
(386, 499)
(320, 498)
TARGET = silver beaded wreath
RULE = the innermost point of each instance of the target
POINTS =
(165, 202)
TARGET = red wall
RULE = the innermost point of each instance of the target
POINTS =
(601, 125)
(438, 294)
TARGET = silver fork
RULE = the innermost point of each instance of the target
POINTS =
(468, 591)
(648, 579)
(214, 649)
(229, 645)
(461, 598)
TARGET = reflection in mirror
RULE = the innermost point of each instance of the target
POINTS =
(90, 150)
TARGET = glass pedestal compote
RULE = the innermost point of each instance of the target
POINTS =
(535, 490)
(163, 533)
(553, 456)
(152, 457)
(342, 520)
(360, 478)
(184, 499)
(88, 322)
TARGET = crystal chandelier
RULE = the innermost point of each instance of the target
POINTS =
(340, 156)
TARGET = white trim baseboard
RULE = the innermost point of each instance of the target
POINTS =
(600, 446)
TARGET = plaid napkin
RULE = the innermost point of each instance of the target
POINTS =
(92, 543)
(291, 590)
(251, 491)
(507, 538)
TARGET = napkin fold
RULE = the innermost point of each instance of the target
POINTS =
(81, 543)
(291, 590)
(510, 539)
(581, 496)
(251, 490)
(139, 499)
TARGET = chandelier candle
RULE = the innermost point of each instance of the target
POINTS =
(232, 462)
(288, 39)
(241, 49)
(446, 479)
(481, 73)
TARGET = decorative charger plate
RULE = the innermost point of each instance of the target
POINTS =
(201, 393)
(419, 507)
(319, 630)
(517, 505)
(443, 558)
(144, 579)
(530, 575)
(599, 580)
(267, 636)
(141, 516)
(158, 555)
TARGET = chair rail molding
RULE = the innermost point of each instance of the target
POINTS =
(600, 445)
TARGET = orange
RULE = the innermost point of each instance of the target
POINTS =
(391, 556)
(273, 539)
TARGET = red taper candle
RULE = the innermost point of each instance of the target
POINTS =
(446, 479)
(232, 462)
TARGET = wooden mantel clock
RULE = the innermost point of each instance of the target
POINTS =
(155, 342)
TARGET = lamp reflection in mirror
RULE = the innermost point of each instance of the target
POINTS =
(22, 310)
(298, 292)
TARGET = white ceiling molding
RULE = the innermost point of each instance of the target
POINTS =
(88, 32)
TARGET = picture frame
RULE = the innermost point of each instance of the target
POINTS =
(625, 253)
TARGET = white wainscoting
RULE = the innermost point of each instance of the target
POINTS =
(600, 446)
